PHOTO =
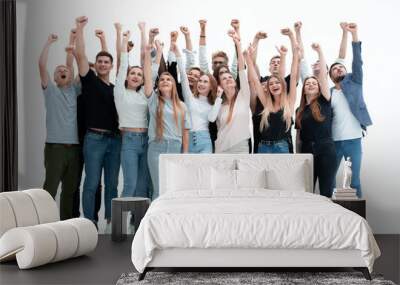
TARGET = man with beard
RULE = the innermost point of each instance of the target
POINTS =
(350, 114)
(61, 152)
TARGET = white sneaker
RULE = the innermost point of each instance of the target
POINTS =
(107, 230)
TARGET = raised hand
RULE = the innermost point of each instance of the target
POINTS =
(99, 34)
(142, 26)
(174, 36)
(344, 26)
(282, 50)
(352, 27)
(316, 47)
(52, 38)
(286, 32)
(184, 30)
(235, 23)
(154, 32)
(72, 35)
(261, 35)
(203, 24)
(297, 26)
(118, 26)
(81, 21)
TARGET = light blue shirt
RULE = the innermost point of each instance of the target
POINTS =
(171, 130)
(61, 116)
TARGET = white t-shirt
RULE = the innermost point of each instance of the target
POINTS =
(344, 125)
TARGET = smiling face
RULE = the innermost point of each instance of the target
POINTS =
(103, 65)
(311, 87)
(337, 72)
(275, 86)
(274, 65)
(193, 76)
(134, 78)
(204, 85)
(62, 75)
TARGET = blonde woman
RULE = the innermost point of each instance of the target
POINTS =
(169, 120)
(278, 104)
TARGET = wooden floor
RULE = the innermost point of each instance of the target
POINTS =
(110, 260)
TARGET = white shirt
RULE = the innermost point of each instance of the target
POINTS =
(131, 105)
(344, 125)
(240, 126)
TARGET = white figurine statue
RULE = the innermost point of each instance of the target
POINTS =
(347, 174)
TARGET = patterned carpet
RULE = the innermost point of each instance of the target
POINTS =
(243, 278)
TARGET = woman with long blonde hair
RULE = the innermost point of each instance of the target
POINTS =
(169, 120)
(314, 126)
(276, 118)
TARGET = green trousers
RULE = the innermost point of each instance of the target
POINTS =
(61, 162)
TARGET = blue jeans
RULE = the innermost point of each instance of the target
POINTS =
(280, 146)
(100, 151)
(155, 149)
(134, 165)
(200, 142)
(352, 149)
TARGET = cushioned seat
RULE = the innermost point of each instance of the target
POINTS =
(31, 232)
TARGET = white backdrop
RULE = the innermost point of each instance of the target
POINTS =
(377, 22)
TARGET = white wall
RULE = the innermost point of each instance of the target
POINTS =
(377, 22)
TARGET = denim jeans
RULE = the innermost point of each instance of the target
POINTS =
(280, 146)
(352, 149)
(134, 165)
(200, 142)
(155, 149)
(100, 151)
(324, 164)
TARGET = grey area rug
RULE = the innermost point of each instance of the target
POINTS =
(229, 278)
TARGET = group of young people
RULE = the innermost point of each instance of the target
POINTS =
(175, 106)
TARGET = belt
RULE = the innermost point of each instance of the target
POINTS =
(103, 133)
(62, 144)
(272, 142)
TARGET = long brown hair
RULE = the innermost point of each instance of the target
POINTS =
(127, 73)
(284, 104)
(176, 105)
(314, 105)
(212, 94)
(232, 102)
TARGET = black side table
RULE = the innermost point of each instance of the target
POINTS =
(138, 205)
(356, 205)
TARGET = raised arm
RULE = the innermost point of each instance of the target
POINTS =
(143, 41)
(186, 91)
(148, 81)
(118, 44)
(287, 32)
(323, 74)
(190, 62)
(235, 24)
(299, 39)
(260, 35)
(70, 57)
(152, 35)
(203, 62)
(236, 40)
(254, 77)
(294, 71)
(357, 72)
(343, 42)
(123, 66)
(44, 55)
(102, 37)
(81, 58)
